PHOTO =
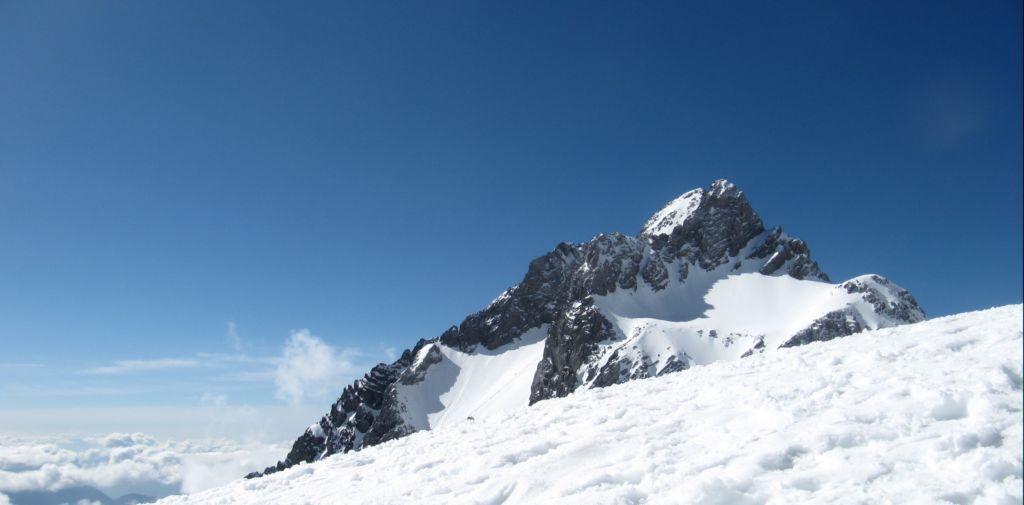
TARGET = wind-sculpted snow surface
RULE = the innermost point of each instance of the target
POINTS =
(923, 413)
(703, 281)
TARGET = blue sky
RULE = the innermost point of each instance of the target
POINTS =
(183, 185)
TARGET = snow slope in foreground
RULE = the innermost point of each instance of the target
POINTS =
(923, 413)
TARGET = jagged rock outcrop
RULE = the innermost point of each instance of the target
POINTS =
(350, 418)
(621, 308)
(571, 343)
(887, 298)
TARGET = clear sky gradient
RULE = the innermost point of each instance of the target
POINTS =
(180, 178)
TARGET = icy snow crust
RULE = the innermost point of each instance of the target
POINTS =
(923, 413)
(480, 383)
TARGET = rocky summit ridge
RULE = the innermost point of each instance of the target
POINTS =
(704, 280)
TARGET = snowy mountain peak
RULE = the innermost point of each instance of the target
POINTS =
(703, 282)
(674, 214)
(704, 207)
(722, 187)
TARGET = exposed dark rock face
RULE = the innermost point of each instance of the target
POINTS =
(780, 251)
(571, 342)
(839, 323)
(389, 425)
(350, 418)
(533, 302)
(722, 225)
(900, 305)
(711, 229)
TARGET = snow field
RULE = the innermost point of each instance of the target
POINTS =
(923, 413)
(480, 383)
(740, 309)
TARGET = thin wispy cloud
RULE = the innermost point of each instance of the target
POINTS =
(199, 360)
(213, 399)
(213, 358)
(19, 366)
(307, 369)
(69, 390)
(249, 376)
(233, 337)
(142, 365)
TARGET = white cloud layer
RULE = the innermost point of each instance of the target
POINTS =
(310, 368)
(126, 461)
(221, 441)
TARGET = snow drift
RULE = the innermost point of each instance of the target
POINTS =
(922, 413)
